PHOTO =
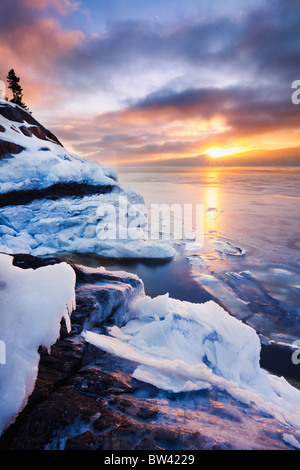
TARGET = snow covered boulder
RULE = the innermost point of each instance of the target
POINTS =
(53, 201)
(33, 302)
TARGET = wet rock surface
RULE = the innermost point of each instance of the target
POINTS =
(85, 399)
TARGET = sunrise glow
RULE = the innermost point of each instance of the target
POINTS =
(216, 152)
(179, 97)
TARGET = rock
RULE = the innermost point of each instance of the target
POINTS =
(54, 192)
(26, 131)
(20, 115)
(43, 185)
(85, 399)
(9, 148)
(26, 261)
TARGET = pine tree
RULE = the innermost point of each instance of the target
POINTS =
(15, 87)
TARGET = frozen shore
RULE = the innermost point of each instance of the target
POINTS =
(153, 358)
(52, 200)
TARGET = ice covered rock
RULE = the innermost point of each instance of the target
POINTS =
(33, 302)
(32, 158)
(180, 346)
(86, 399)
(54, 201)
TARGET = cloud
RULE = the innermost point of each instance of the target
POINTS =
(262, 45)
(64, 7)
(271, 40)
(169, 124)
(155, 88)
(130, 58)
(31, 45)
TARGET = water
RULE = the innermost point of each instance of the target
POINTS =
(250, 260)
(254, 210)
(249, 263)
(258, 208)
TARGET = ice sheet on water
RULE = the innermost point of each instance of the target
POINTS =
(266, 296)
(227, 248)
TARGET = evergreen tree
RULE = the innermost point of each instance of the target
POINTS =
(15, 87)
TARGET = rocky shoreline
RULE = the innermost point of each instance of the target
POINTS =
(85, 399)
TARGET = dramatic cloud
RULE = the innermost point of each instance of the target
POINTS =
(31, 44)
(176, 124)
(258, 47)
(149, 82)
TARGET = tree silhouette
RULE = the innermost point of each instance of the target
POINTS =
(15, 87)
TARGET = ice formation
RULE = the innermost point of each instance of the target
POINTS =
(33, 302)
(46, 227)
(181, 346)
(43, 162)
(54, 201)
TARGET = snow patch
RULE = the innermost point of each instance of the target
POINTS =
(33, 302)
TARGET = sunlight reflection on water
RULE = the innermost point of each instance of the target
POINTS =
(254, 207)
(251, 224)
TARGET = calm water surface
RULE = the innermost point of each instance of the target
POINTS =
(257, 208)
(249, 262)
(250, 259)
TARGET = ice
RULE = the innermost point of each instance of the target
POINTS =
(290, 439)
(45, 168)
(74, 225)
(228, 249)
(180, 346)
(33, 302)
(47, 223)
(212, 284)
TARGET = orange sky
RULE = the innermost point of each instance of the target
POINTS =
(133, 82)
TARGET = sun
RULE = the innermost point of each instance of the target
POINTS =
(216, 152)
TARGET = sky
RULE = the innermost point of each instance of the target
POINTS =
(175, 82)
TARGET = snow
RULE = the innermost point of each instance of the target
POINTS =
(33, 302)
(290, 439)
(177, 346)
(75, 225)
(45, 168)
(181, 346)
(78, 223)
